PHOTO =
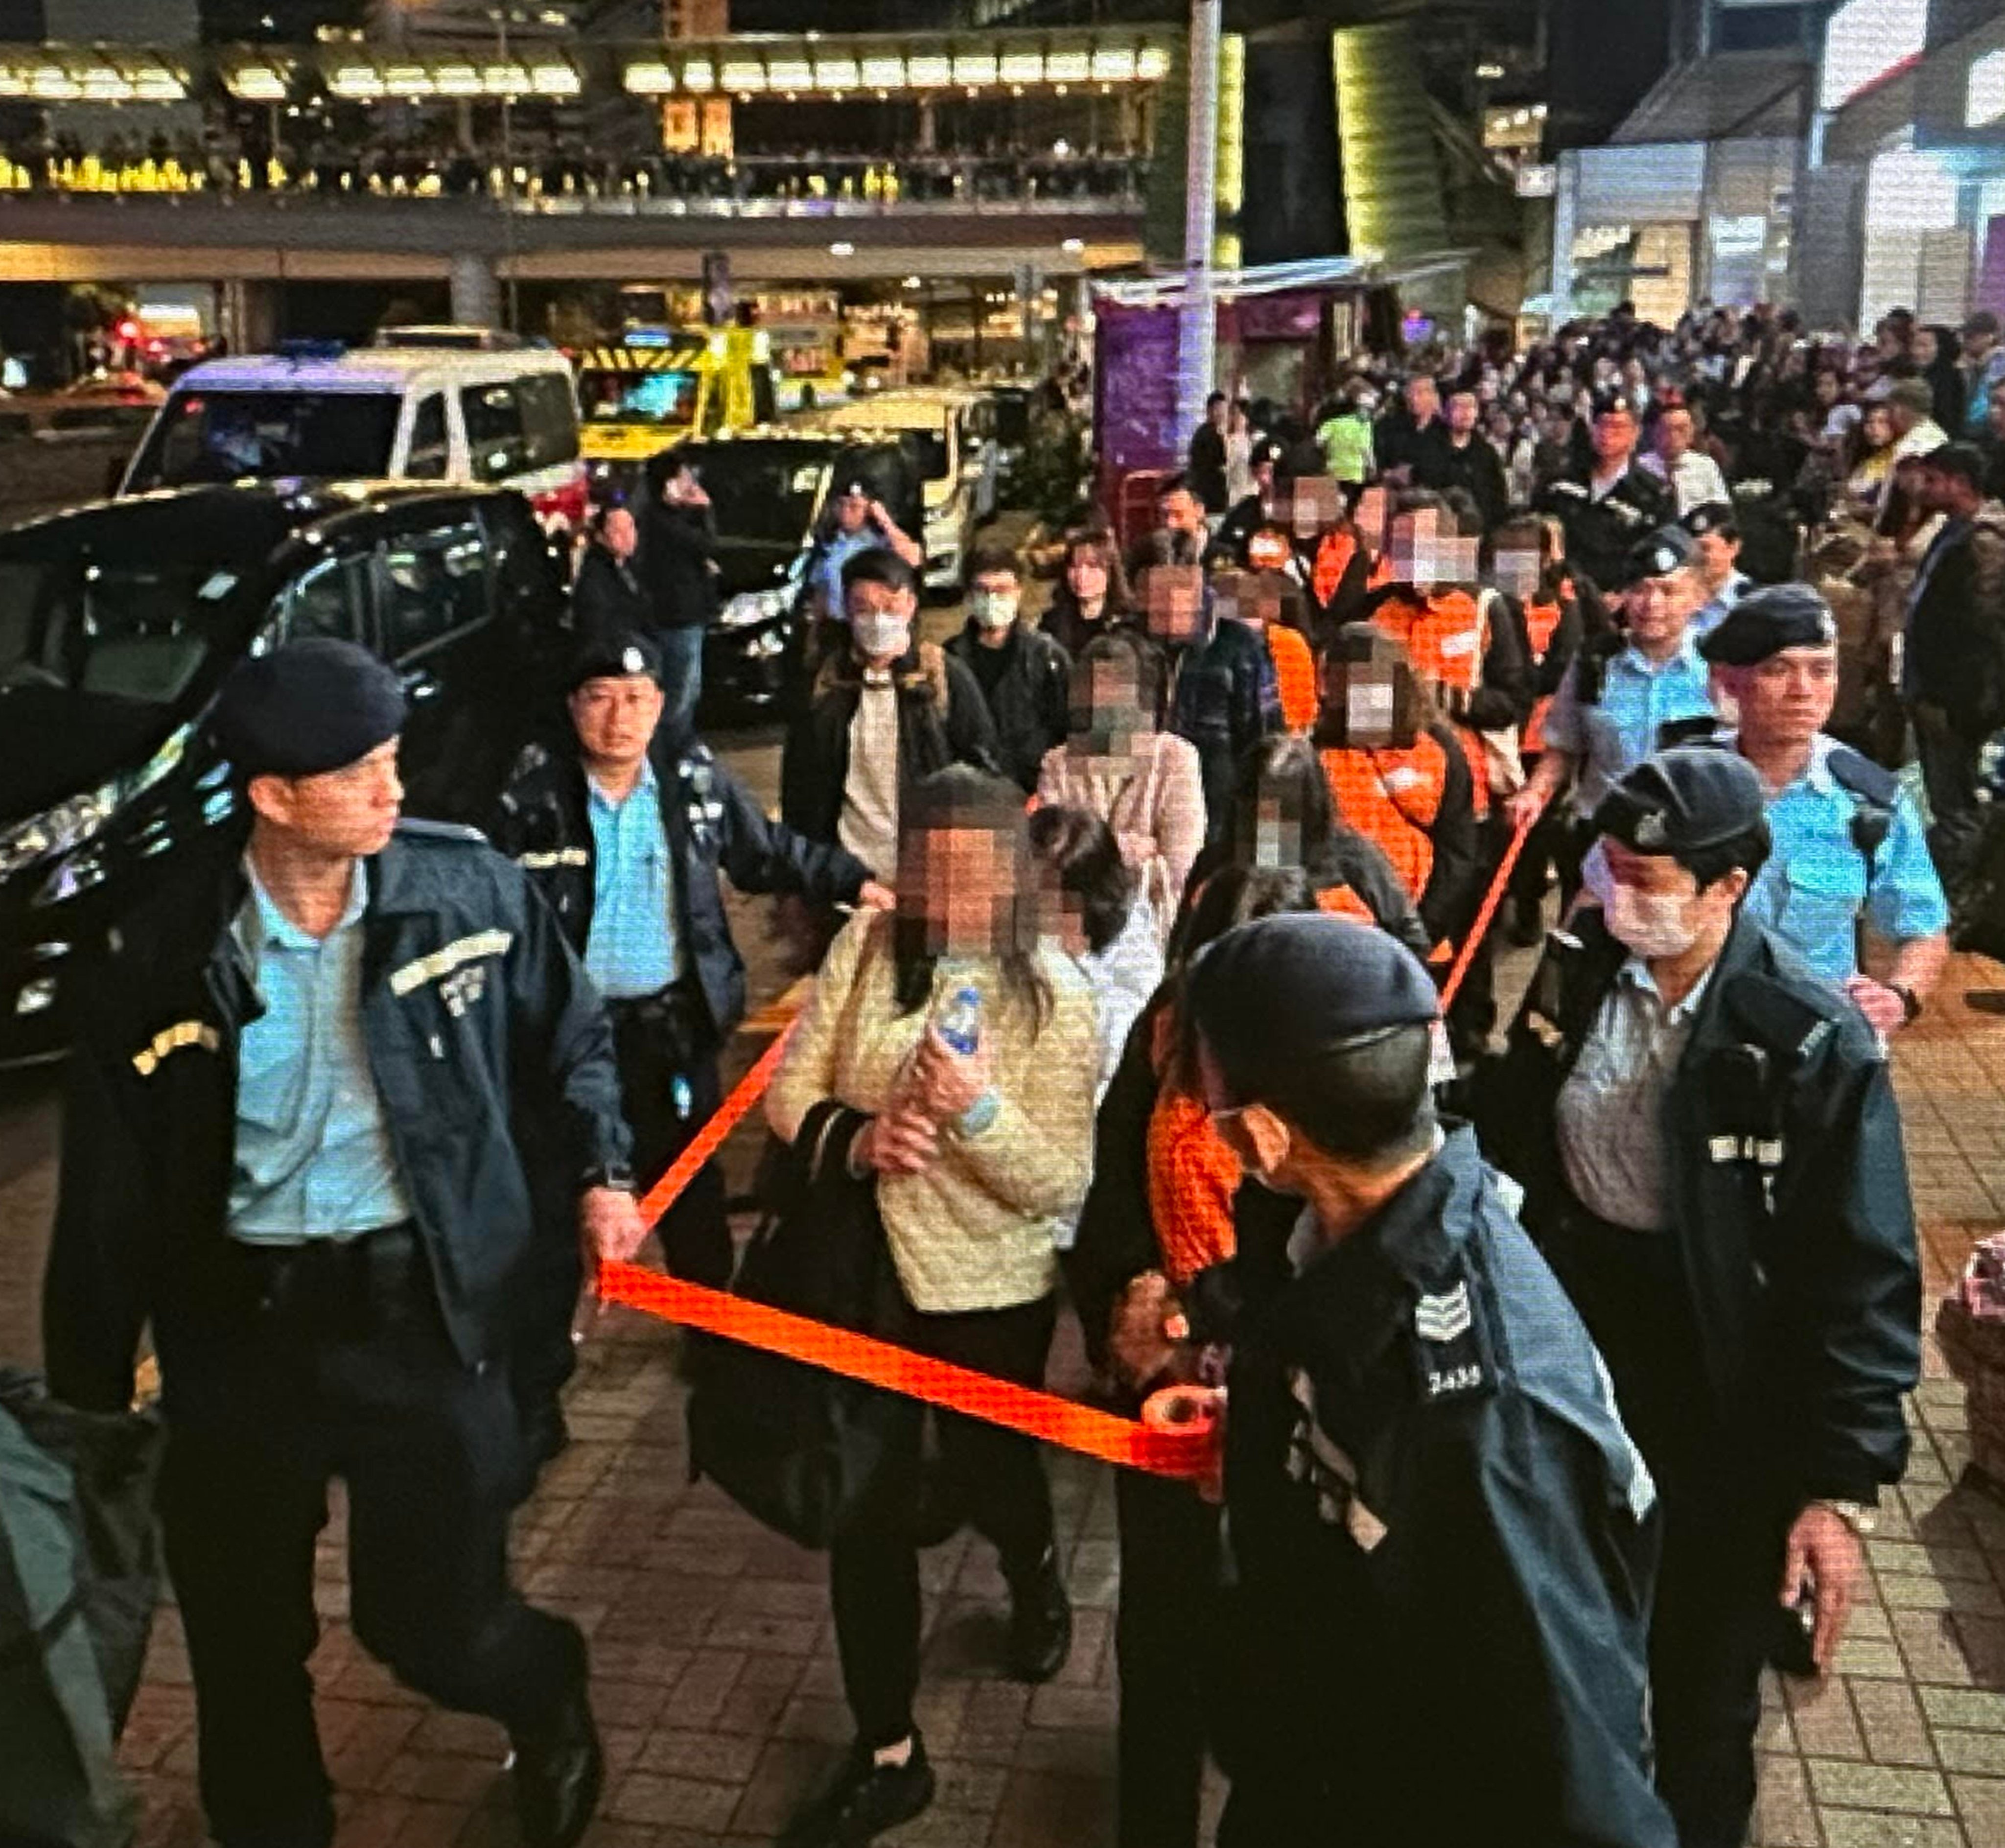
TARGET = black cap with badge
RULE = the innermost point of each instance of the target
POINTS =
(612, 657)
(1766, 621)
(306, 709)
(1681, 802)
(1712, 516)
(1669, 548)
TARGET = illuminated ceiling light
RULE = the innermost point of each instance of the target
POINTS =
(699, 74)
(1113, 67)
(913, 282)
(647, 77)
(842, 247)
(257, 84)
(356, 80)
(555, 80)
(457, 80)
(1489, 73)
(1154, 65)
(106, 87)
(1073, 246)
(743, 75)
(503, 80)
(1023, 67)
(838, 73)
(54, 87)
(1062, 68)
(975, 68)
(159, 87)
(408, 80)
(791, 73)
(927, 72)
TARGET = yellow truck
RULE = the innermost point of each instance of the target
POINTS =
(656, 389)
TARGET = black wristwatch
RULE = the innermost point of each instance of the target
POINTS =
(619, 1179)
(1911, 1003)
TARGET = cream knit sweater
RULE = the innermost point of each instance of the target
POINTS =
(972, 1231)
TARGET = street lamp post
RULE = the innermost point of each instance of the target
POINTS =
(1196, 332)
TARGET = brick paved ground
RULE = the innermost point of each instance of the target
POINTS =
(716, 1683)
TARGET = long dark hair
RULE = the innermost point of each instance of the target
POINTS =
(964, 799)
(1081, 849)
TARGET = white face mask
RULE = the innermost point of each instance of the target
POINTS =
(992, 608)
(1654, 926)
(881, 633)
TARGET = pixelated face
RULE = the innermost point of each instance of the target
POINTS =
(1426, 550)
(1515, 569)
(1374, 514)
(1277, 830)
(352, 810)
(1182, 511)
(1106, 698)
(1366, 694)
(1674, 434)
(1659, 608)
(1086, 573)
(620, 534)
(1173, 595)
(963, 880)
(616, 715)
(1788, 695)
(1614, 435)
(1316, 503)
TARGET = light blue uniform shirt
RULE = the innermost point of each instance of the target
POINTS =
(837, 551)
(1712, 612)
(631, 949)
(1611, 737)
(1815, 886)
(314, 1155)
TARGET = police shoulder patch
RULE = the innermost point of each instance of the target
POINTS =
(1451, 1358)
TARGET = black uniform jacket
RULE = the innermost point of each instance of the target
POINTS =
(474, 1010)
(1790, 1189)
(712, 825)
(1029, 705)
(608, 598)
(1446, 1542)
(942, 719)
(1600, 534)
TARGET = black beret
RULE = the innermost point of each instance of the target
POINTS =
(1681, 801)
(859, 488)
(1766, 621)
(1712, 516)
(310, 706)
(1657, 555)
(613, 656)
(1271, 997)
(1266, 450)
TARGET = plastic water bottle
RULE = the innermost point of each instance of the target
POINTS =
(959, 1022)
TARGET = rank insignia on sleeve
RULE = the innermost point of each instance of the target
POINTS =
(1443, 1318)
(1450, 1356)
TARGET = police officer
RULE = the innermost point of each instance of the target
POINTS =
(856, 521)
(1716, 532)
(627, 833)
(1626, 694)
(1445, 1537)
(288, 1143)
(1712, 1162)
(1610, 504)
(1847, 845)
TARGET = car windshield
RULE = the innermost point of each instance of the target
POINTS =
(639, 397)
(136, 630)
(205, 436)
(766, 492)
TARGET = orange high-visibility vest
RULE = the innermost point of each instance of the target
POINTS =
(1341, 902)
(1442, 636)
(1392, 797)
(1542, 622)
(1332, 560)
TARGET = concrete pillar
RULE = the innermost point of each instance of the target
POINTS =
(247, 314)
(476, 291)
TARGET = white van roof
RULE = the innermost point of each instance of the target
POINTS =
(368, 369)
(900, 410)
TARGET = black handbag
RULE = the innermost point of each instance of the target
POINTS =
(796, 1447)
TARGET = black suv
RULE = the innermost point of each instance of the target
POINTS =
(767, 488)
(117, 623)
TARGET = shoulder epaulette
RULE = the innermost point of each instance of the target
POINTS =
(1792, 1018)
(1854, 771)
(410, 827)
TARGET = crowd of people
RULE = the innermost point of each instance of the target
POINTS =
(1559, 1373)
(543, 168)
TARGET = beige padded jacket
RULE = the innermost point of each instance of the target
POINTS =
(974, 1230)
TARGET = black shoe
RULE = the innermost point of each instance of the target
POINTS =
(1526, 928)
(1040, 1623)
(866, 1799)
(558, 1776)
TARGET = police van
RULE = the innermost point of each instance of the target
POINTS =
(315, 411)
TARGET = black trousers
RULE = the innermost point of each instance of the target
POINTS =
(1716, 1607)
(339, 1365)
(1171, 1648)
(668, 1090)
(996, 1475)
(1948, 756)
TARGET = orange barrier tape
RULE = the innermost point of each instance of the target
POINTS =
(708, 1139)
(1487, 915)
(1183, 1451)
